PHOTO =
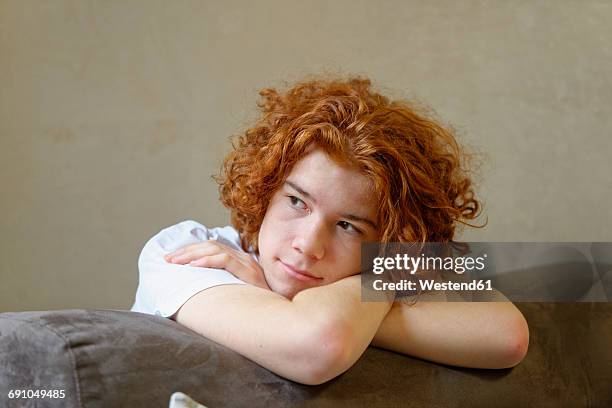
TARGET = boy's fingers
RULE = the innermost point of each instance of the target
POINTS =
(191, 252)
(219, 261)
(175, 253)
(182, 251)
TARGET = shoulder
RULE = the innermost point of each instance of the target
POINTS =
(191, 232)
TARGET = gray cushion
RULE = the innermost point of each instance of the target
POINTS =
(105, 358)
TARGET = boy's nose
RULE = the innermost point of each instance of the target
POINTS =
(311, 240)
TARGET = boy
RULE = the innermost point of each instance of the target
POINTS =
(330, 165)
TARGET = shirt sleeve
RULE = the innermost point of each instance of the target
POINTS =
(164, 287)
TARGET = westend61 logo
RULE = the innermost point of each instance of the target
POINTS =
(411, 264)
(400, 264)
(417, 268)
(480, 271)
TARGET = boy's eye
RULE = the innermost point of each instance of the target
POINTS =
(347, 226)
(296, 202)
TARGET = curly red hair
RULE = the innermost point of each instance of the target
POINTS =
(415, 164)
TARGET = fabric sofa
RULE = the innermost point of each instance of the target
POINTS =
(111, 358)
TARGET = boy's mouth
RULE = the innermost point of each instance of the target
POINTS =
(298, 274)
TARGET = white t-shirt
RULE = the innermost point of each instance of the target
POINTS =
(164, 287)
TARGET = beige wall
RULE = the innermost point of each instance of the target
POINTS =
(114, 114)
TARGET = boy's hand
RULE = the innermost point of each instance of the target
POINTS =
(213, 254)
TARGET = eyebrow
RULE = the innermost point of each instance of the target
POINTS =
(351, 217)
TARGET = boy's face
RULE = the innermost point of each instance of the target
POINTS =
(315, 223)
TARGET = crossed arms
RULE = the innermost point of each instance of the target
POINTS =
(323, 331)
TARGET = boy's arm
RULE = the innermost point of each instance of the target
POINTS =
(310, 339)
(467, 334)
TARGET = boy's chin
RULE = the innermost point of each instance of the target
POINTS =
(284, 290)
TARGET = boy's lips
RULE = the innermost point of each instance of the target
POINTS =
(298, 273)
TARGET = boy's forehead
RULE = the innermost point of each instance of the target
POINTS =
(323, 178)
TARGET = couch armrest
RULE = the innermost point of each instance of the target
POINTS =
(106, 358)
